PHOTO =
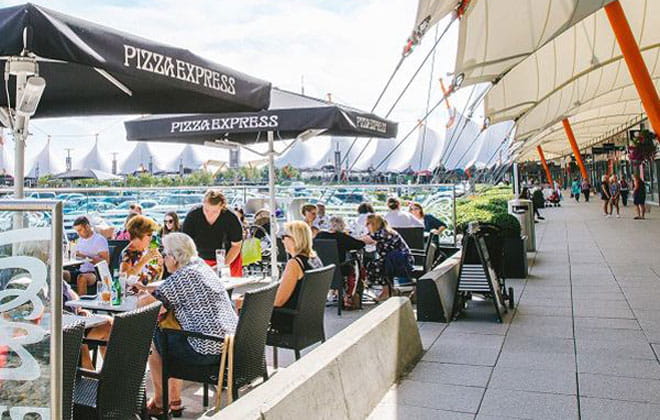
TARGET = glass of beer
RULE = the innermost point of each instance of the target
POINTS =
(106, 293)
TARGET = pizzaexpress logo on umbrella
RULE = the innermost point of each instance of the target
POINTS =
(371, 124)
(229, 123)
(153, 62)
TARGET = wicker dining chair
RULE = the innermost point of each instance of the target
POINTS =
(117, 390)
(71, 341)
(307, 318)
(249, 348)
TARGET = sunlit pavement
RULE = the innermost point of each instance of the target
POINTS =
(582, 342)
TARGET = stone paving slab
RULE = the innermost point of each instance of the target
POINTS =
(586, 329)
(523, 404)
(421, 394)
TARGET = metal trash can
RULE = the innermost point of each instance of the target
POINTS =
(523, 210)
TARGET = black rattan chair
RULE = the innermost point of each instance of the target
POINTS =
(71, 341)
(249, 348)
(327, 251)
(307, 318)
(116, 391)
(116, 247)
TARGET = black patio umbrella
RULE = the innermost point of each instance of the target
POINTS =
(290, 116)
(65, 66)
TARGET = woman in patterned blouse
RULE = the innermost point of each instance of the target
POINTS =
(386, 240)
(138, 258)
(200, 303)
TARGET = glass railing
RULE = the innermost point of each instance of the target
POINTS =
(30, 309)
(112, 204)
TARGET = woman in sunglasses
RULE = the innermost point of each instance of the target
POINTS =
(298, 242)
(170, 224)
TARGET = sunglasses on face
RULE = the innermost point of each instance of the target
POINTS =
(169, 221)
(286, 235)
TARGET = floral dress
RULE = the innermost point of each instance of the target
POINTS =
(386, 242)
(151, 271)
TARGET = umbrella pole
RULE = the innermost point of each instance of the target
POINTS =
(19, 165)
(273, 206)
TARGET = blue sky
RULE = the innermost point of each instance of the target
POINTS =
(344, 47)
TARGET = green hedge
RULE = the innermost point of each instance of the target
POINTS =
(488, 206)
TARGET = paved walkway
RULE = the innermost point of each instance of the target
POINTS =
(583, 341)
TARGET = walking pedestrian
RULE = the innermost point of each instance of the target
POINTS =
(639, 197)
(586, 189)
(615, 194)
(605, 195)
(576, 189)
(625, 189)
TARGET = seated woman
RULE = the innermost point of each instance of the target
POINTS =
(347, 266)
(345, 242)
(391, 249)
(139, 258)
(298, 241)
(431, 223)
(200, 303)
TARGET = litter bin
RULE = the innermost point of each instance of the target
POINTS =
(524, 212)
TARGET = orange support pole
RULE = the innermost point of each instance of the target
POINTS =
(548, 175)
(574, 147)
(636, 66)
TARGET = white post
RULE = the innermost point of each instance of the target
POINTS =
(516, 180)
(20, 136)
(273, 206)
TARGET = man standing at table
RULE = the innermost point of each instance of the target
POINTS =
(91, 246)
(213, 226)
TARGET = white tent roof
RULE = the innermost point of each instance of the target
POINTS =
(140, 158)
(6, 161)
(494, 36)
(581, 71)
(45, 163)
(430, 12)
(192, 157)
(492, 145)
(304, 155)
(461, 143)
(93, 160)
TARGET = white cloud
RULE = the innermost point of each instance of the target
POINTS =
(344, 47)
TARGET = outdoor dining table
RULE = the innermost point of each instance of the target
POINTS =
(129, 303)
(70, 319)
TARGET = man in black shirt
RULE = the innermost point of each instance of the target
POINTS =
(213, 226)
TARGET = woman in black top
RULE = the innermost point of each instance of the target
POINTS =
(345, 242)
(431, 223)
(605, 195)
(297, 240)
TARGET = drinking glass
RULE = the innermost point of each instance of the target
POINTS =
(220, 258)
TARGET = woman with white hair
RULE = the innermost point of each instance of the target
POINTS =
(200, 303)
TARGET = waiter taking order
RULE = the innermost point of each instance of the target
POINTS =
(213, 226)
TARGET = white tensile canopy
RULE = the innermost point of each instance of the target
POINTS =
(495, 36)
(94, 159)
(304, 155)
(492, 146)
(140, 159)
(45, 163)
(6, 164)
(582, 75)
(191, 158)
(554, 59)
